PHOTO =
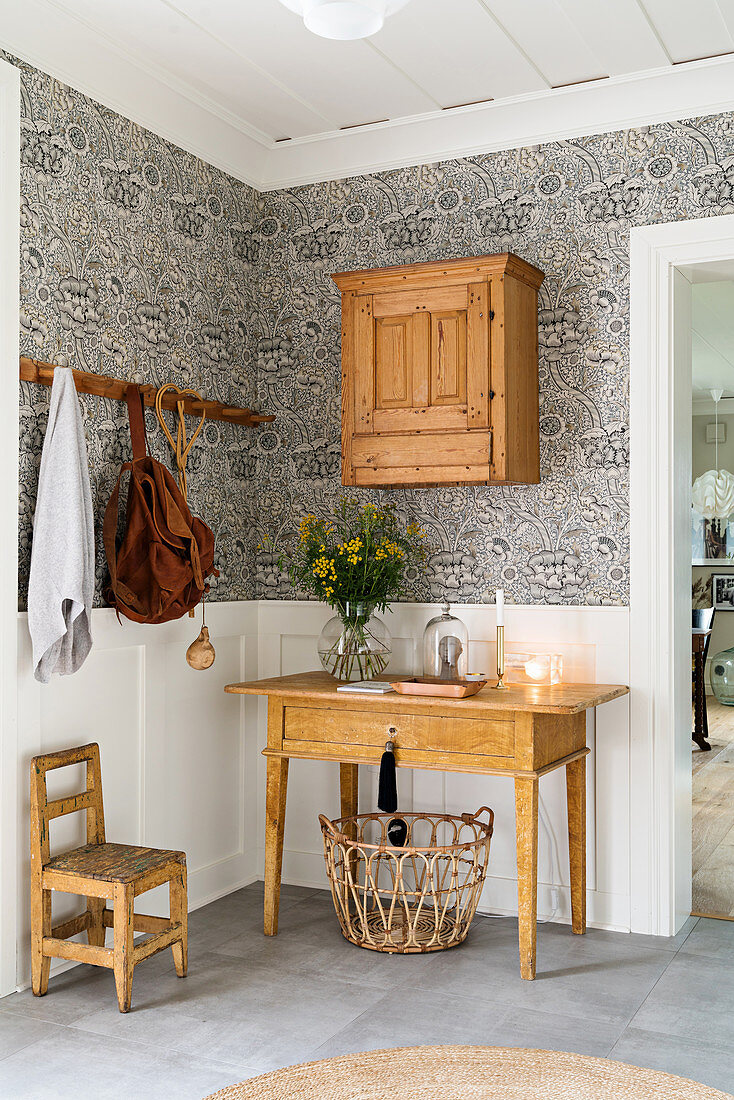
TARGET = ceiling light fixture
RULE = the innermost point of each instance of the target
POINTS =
(713, 492)
(344, 19)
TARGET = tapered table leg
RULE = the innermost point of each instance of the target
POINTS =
(576, 804)
(349, 789)
(277, 787)
(526, 827)
(349, 792)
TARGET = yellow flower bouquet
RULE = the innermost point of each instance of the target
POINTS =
(356, 561)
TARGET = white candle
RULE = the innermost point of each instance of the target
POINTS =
(499, 599)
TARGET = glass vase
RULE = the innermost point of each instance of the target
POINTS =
(355, 644)
(722, 677)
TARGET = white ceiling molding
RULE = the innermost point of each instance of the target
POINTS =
(45, 35)
(617, 103)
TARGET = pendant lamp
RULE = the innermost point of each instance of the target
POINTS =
(713, 492)
(344, 19)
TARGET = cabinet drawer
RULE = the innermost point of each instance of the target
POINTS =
(433, 733)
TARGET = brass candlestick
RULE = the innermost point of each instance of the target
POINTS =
(500, 685)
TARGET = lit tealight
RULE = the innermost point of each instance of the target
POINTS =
(538, 668)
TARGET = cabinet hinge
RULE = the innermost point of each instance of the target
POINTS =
(491, 315)
(491, 394)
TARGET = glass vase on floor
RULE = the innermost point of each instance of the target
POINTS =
(355, 644)
(722, 677)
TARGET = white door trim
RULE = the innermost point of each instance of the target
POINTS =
(9, 301)
(660, 395)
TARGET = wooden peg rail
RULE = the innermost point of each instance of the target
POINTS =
(101, 385)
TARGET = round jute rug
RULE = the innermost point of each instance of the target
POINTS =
(466, 1073)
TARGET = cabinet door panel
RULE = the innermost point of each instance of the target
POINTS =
(448, 358)
(364, 364)
(393, 362)
(478, 355)
(421, 352)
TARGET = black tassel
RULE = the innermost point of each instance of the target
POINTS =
(387, 794)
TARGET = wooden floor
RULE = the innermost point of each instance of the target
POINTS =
(713, 817)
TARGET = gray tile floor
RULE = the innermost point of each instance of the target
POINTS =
(251, 1004)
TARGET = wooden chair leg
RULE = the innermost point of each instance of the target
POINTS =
(178, 895)
(40, 927)
(123, 945)
(96, 929)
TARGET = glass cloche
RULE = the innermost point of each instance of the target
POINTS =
(445, 646)
(722, 677)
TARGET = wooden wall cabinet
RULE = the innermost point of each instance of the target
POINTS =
(440, 373)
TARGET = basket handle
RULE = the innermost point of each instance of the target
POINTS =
(327, 826)
(468, 818)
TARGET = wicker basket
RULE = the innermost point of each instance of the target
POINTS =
(419, 897)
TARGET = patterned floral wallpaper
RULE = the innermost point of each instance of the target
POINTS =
(567, 207)
(141, 261)
(134, 263)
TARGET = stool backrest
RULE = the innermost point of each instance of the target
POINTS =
(43, 811)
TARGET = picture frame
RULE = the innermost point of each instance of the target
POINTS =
(722, 591)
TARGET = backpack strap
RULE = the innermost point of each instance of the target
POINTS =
(119, 591)
(137, 421)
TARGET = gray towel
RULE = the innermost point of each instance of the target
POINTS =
(61, 586)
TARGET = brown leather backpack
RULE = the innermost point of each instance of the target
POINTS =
(159, 570)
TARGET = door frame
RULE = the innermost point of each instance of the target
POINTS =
(660, 442)
(9, 446)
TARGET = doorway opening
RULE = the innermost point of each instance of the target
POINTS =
(666, 260)
(712, 589)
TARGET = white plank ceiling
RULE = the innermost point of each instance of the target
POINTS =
(254, 61)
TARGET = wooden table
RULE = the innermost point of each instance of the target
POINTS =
(699, 640)
(522, 733)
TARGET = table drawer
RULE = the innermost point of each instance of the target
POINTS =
(435, 733)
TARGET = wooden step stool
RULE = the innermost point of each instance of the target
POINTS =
(100, 871)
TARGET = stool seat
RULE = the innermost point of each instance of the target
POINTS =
(113, 862)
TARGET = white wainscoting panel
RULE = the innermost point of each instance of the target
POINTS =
(595, 642)
(178, 763)
(182, 765)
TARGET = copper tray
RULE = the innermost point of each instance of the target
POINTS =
(431, 685)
